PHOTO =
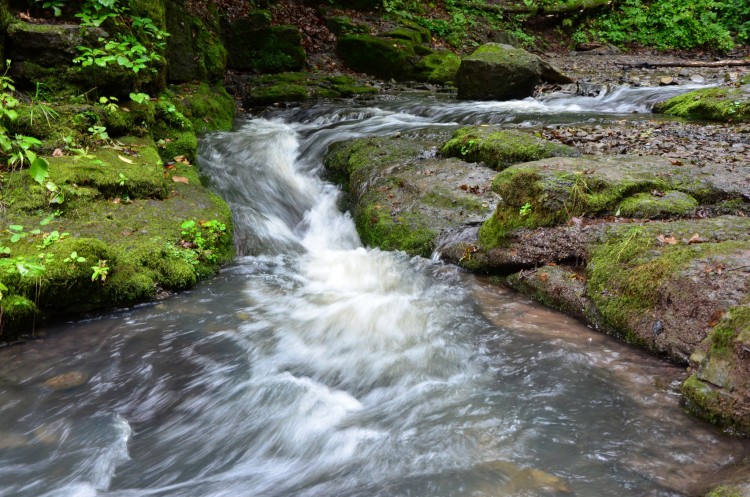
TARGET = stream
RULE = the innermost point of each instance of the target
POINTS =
(315, 367)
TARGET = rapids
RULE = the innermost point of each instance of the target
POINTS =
(313, 366)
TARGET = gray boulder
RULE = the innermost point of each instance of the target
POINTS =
(502, 72)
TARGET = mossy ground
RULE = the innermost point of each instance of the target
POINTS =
(715, 104)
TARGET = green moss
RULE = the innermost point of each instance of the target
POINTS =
(16, 316)
(715, 104)
(410, 233)
(282, 92)
(700, 399)
(343, 25)
(135, 171)
(735, 327)
(441, 67)
(382, 57)
(725, 491)
(443, 198)
(669, 204)
(137, 239)
(208, 107)
(502, 148)
(627, 271)
(178, 143)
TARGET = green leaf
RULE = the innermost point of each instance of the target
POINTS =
(39, 170)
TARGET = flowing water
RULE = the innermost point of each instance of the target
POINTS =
(315, 367)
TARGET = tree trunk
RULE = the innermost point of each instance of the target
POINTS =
(538, 10)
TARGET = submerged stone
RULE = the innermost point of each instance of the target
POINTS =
(67, 381)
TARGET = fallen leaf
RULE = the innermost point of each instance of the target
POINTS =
(676, 162)
(124, 159)
(182, 159)
(180, 179)
(657, 193)
(57, 153)
(715, 318)
(543, 277)
(666, 240)
(696, 239)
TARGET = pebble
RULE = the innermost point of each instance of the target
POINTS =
(67, 381)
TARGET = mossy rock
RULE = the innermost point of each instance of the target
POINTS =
(502, 72)
(658, 205)
(207, 107)
(400, 198)
(717, 391)
(381, 57)
(135, 235)
(344, 25)
(133, 171)
(414, 34)
(282, 92)
(652, 283)
(499, 148)
(558, 189)
(271, 50)
(714, 104)
(194, 49)
(440, 67)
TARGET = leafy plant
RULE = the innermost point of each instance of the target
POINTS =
(51, 238)
(100, 271)
(203, 238)
(525, 209)
(74, 258)
(17, 232)
(136, 43)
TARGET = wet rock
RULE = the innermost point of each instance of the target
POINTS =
(499, 148)
(697, 78)
(667, 81)
(502, 72)
(715, 104)
(67, 381)
(401, 197)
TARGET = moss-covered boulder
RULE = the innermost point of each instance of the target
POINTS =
(502, 72)
(194, 49)
(499, 148)
(112, 233)
(383, 57)
(269, 49)
(715, 104)
(401, 197)
(554, 191)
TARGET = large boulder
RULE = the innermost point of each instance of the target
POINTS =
(502, 72)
